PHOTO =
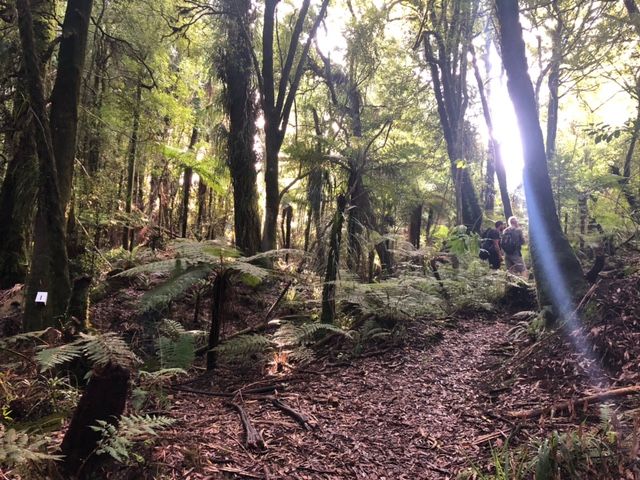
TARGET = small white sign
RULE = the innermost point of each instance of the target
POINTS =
(41, 297)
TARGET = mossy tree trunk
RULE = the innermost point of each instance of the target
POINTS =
(236, 73)
(49, 269)
(56, 146)
(559, 277)
(18, 193)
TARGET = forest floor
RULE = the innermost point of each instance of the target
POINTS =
(437, 404)
(419, 412)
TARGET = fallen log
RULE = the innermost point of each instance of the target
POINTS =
(301, 418)
(253, 439)
(571, 404)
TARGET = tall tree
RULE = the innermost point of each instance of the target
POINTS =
(19, 187)
(558, 272)
(47, 260)
(235, 71)
(50, 212)
(277, 96)
(446, 46)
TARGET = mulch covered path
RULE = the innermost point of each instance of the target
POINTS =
(419, 412)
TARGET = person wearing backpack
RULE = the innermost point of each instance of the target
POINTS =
(511, 244)
(490, 245)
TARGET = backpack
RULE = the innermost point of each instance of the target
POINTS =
(509, 242)
(486, 243)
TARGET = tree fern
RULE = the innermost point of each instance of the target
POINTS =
(100, 350)
(179, 282)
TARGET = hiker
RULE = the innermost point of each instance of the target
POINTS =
(511, 244)
(490, 245)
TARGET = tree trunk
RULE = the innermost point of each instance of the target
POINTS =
(221, 288)
(554, 84)
(328, 313)
(277, 101)
(104, 399)
(494, 161)
(559, 277)
(127, 231)
(239, 104)
(415, 225)
(186, 187)
(449, 85)
(19, 187)
(202, 207)
(50, 269)
(66, 91)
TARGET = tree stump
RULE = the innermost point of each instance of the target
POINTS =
(103, 399)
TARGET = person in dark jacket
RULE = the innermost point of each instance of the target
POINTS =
(491, 243)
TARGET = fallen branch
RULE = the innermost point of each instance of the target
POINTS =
(571, 404)
(297, 416)
(253, 439)
(254, 391)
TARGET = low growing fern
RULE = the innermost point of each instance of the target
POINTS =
(17, 448)
(117, 441)
(244, 345)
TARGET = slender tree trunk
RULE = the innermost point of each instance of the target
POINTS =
(240, 106)
(449, 87)
(328, 313)
(415, 225)
(277, 101)
(127, 232)
(559, 277)
(202, 206)
(186, 187)
(554, 84)
(429, 226)
(52, 262)
(494, 161)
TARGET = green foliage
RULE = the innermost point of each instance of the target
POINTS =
(100, 350)
(574, 455)
(176, 346)
(244, 346)
(150, 390)
(18, 448)
(193, 264)
(179, 282)
(117, 441)
(291, 335)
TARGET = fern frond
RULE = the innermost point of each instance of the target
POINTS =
(293, 335)
(107, 348)
(117, 441)
(170, 328)
(18, 447)
(23, 336)
(52, 357)
(174, 287)
(160, 376)
(178, 352)
(244, 345)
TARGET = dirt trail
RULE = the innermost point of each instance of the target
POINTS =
(414, 413)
